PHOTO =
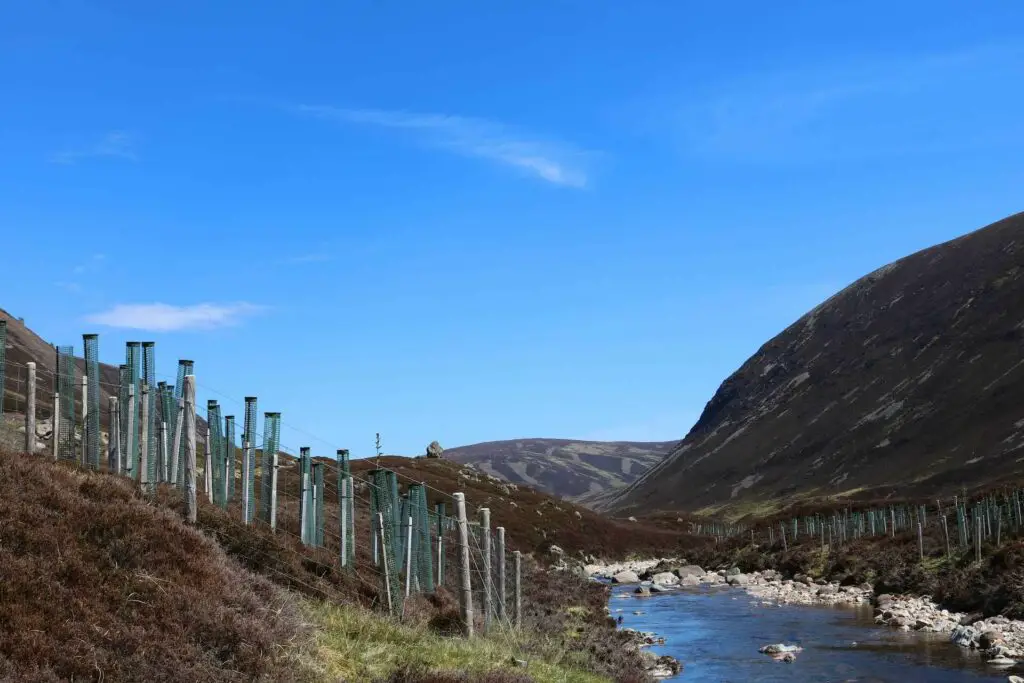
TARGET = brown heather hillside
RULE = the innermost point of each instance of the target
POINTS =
(566, 468)
(97, 584)
(908, 382)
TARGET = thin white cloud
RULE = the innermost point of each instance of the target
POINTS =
(159, 317)
(863, 108)
(115, 144)
(555, 163)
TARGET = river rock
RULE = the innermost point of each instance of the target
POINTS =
(689, 580)
(738, 580)
(665, 579)
(642, 590)
(690, 570)
(779, 648)
(989, 639)
(964, 636)
(1001, 662)
(735, 571)
(626, 577)
(1015, 679)
(659, 588)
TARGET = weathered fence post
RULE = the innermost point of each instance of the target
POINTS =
(387, 575)
(189, 399)
(502, 612)
(945, 532)
(30, 410)
(977, 536)
(85, 421)
(920, 541)
(176, 444)
(343, 506)
(410, 566)
(129, 455)
(304, 495)
(245, 483)
(782, 528)
(144, 440)
(114, 460)
(208, 464)
(439, 507)
(485, 533)
(466, 592)
(318, 504)
(517, 567)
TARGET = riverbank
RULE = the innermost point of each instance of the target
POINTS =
(998, 639)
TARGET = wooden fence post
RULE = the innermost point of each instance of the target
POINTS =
(273, 491)
(410, 566)
(465, 583)
(207, 466)
(144, 440)
(129, 456)
(189, 399)
(502, 611)
(176, 443)
(245, 483)
(165, 460)
(30, 410)
(55, 436)
(485, 533)
(782, 528)
(387, 576)
(304, 495)
(343, 508)
(85, 421)
(945, 532)
(977, 536)
(920, 541)
(114, 449)
(517, 566)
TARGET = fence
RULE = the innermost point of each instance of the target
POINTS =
(964, 524)
(398, 542)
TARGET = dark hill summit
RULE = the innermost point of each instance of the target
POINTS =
(908, 381)
(576, 470)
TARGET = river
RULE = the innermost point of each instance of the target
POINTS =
(716, 632)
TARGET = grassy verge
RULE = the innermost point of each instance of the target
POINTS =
(353, 644)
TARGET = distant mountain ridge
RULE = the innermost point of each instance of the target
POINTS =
(908, 382)
(567, 468)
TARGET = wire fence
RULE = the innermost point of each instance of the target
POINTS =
(378, 529)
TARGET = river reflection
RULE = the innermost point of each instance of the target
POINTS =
(716, 633)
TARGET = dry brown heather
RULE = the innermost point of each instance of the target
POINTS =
(96, 581)
(96, 584)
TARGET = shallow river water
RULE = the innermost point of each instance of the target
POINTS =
(716, 633)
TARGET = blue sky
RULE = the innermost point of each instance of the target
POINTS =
(469, 221)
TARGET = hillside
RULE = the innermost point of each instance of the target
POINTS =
(575, 470)
(911, 380)
(24, 345)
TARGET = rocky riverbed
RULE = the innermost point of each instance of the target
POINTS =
(999, 640)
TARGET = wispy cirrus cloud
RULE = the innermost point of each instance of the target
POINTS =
(115, 144)
(160, 317)
(556, 163)
(866, 107)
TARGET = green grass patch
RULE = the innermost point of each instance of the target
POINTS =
(355, 644)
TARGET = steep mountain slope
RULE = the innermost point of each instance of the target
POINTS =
(565, 468)
(910, 380)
